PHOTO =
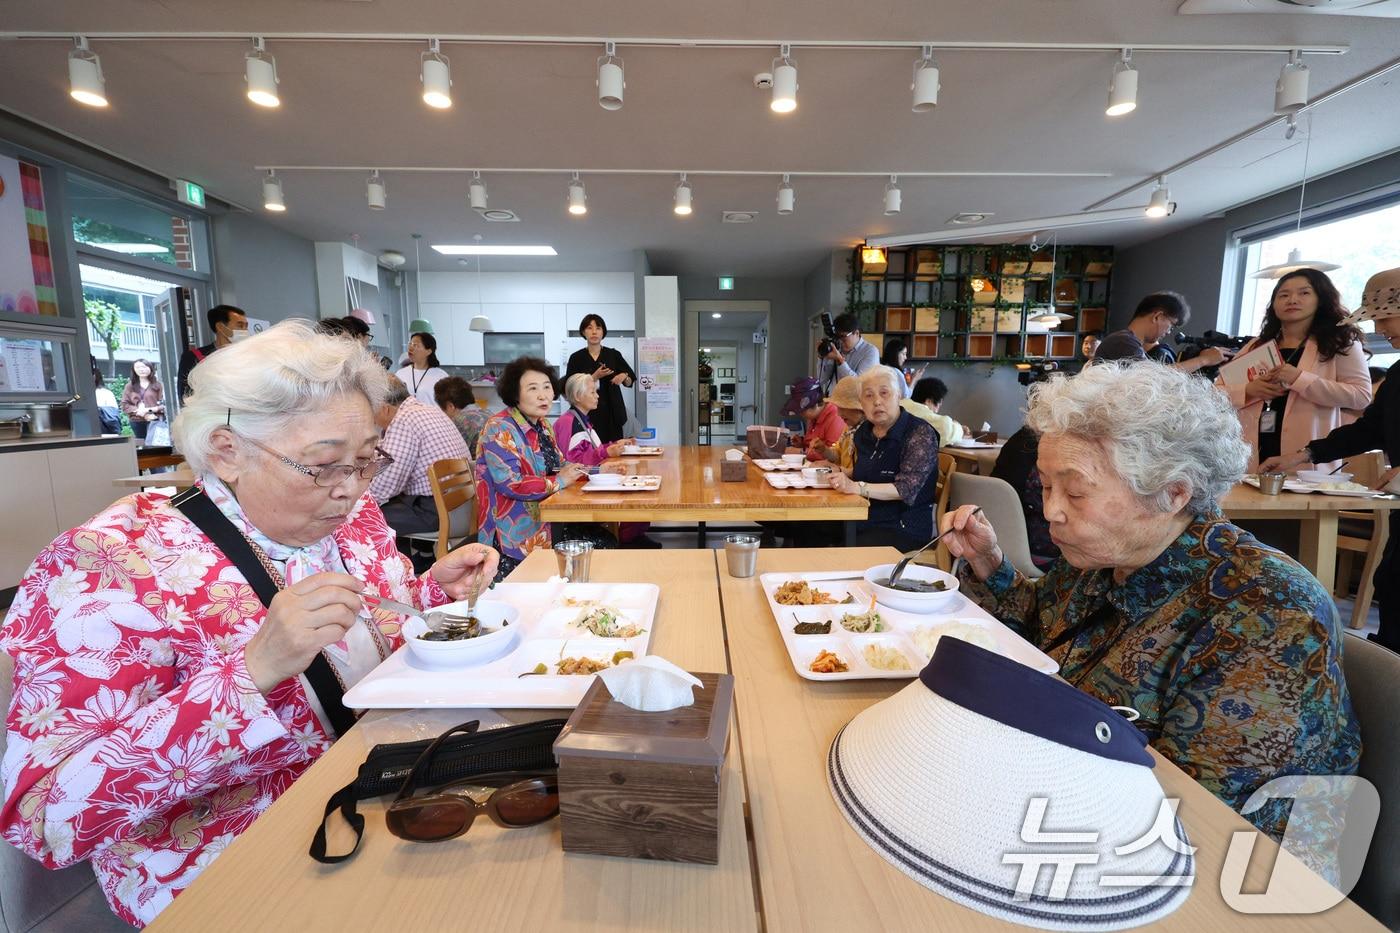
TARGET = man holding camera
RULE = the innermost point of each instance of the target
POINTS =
(1156, 317)
(844, 352)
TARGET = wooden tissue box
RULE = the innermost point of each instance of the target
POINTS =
(733, 471)
(645, 785)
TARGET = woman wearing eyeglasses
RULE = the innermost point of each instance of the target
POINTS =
(180, 662)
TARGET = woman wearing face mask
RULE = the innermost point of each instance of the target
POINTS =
(143, 399)
(423, 370)
(520, 463)
(612, 373)
(1323, 371)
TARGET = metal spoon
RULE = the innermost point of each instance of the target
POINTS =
(899, 567)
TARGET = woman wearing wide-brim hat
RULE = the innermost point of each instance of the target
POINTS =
(1378, 427)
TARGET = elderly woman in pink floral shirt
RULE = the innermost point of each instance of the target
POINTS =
(159, 706)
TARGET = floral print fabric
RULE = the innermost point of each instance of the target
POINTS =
(1229, 650)
(136, 738)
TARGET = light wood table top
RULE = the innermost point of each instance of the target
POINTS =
(1244, 498)
(817, 874)
(490, 878)
(979, 460)
(691, 490)
(181, 478)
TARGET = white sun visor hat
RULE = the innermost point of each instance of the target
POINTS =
(1380, 298)
(1014, 794)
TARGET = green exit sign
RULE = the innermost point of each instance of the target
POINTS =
(726, 283)
(189, 193)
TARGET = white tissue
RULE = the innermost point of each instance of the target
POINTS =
(650, 684)
(986, 426)
(733, 454)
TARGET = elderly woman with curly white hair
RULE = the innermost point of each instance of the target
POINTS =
(179, 662)
(1229, 650)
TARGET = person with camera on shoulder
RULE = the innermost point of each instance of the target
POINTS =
(844, 353)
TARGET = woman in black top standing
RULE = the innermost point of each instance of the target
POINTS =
(612, 372)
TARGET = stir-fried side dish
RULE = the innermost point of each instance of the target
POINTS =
(884, 658)
(812, 628)
(579, 666)
(607, 622)
(802, 593)
(827, 663)
(862, 622)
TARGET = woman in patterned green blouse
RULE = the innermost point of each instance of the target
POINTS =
(1229, 649)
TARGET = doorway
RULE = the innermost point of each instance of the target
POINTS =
(730, 339)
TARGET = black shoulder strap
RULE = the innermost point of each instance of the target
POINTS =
(201, 510)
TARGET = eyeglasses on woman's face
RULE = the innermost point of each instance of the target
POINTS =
(336, 473)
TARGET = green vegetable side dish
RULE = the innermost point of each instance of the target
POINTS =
(621, 656)
(862, 622)
(607, 622)
(812, 628)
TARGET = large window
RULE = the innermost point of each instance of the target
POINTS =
(1363, 244)
(113, 221)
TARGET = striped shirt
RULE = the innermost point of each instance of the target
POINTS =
(418, 436)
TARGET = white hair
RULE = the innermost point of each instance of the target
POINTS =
(576, 385)
(261, 384)
(878, 374)
(1162, 428)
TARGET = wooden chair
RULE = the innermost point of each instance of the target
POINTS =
(1361, 533)
(454, 493)
(947, 466)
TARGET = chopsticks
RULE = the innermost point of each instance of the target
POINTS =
(1345, 464)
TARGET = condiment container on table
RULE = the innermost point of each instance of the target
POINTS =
(645, 785)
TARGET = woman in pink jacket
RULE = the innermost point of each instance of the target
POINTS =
(1323, 371)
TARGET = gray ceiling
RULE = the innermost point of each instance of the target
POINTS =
(177, 108)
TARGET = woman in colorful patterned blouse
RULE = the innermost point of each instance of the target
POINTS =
(158, 706)
(896, 466)
(519, 463)
(1229, 650)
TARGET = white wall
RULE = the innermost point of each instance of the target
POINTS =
(551, 303)
(662, 318)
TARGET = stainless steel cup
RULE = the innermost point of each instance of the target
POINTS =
(1271, 484)
(574, 558)
(741, 554)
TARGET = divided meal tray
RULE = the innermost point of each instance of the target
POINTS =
(899, 628)
(640, 483)
(1293, 484)
(404, 682)
(639, 450)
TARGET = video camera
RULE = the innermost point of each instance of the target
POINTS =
(828, 343)
(1190, 347)
(1036, 371)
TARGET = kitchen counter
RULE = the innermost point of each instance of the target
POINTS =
(48, 443)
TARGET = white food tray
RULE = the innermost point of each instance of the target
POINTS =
(1293, 484)
(403, 682)
(641, 483)
(899, 627)
(636, 450)
(789, 481)
(769, 465)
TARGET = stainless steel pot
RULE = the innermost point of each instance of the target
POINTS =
(11, 428)
(50, 420)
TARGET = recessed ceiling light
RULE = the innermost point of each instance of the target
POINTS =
(436, 74)
(86, 83)
(260, 71)
(458, 249)
(738, 217)
(970, 217)
(499, 215)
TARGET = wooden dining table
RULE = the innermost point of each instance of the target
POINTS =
(1317, 516)
(692, 491)
(490, 878)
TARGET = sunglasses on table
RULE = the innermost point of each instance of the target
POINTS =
(520, 798)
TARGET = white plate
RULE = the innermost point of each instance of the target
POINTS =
(1355, 493)
(402, 682)
(628, 484)
(974, 445)
(897, 633)
(768, 465)
(634, 450)
(789, 481)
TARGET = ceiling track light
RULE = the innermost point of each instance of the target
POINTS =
(86, 83)
(925, 86)
(683, 194)
(1161, 203)
(435, 71)
(375, 192)
(477, 193)
(611, 78)
(1123, 86)
(787, 198)
(272, 193)
(578, 199)
(1291, 90)
(784, 81)
(260, 73)
(892, 196)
